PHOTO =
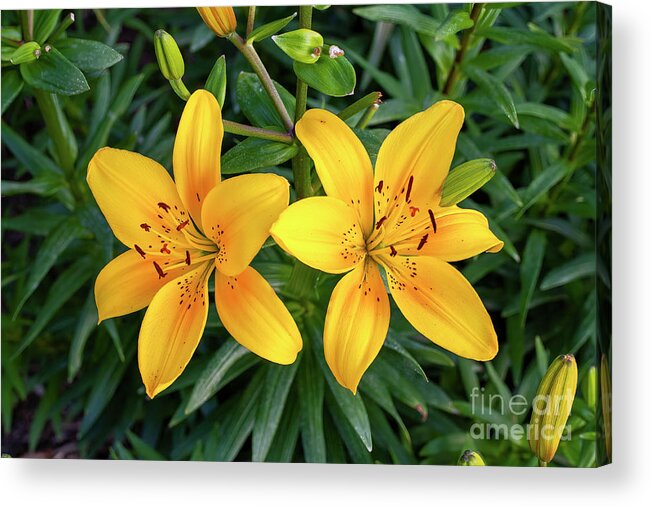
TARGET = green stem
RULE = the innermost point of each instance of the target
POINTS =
(63, 26)
(58, 128)
(240, 129)
(250, 22)
(301, 162)
(542, 463)
(360, 105)
(453, 76)
(180, 89)
(251, 55)
(367, 116)
(27, 25)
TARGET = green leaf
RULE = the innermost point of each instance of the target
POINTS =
(541, 184)
(532, 258)
(88, 55)
(311, 392)
(12, 84)
(264, 31)
(456, 21)
(69, 282)
(283, 446)
(578, 75)
(43, 412)
(579, 267)
(35, 162)
(86, 324)
(53, 246)
(54, 73)
(277, 382)
(254, 153)
(216, 82)
(118, 107)
(215, 370)
(536, 39)
(331, 76)
(406, 15)
(387, 81)
(495, 89)
(239, 420)
(465, 179)
(45, 21)
(142, 450)
(256, 104)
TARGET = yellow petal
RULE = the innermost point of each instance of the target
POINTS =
(460, 234)
(340, 160)
(220, 20)
(256, 317)
(197, 150)
(129, 282)
(415, 158)
(321, 232)
(356, 324)
(238, 214)
(440, 303)
(172, 328)
(139, 200)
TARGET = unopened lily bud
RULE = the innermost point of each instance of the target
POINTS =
(552, 406)
(335, 52)
(590, 386)
(220, 20)
(471, 459)
(302, 45)
(168, 55)
(28, 52)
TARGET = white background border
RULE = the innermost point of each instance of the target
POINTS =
(100, 483)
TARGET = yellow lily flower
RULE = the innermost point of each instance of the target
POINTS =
(178, 232)
(220, 20)
(392, 220)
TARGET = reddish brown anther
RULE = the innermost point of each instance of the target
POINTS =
(394, 252)
(379, 186)
(380, 222)
(422, 242)
(139, 250)
(409, 185)
(432, 219)
(187, 257)
(164, 206)
(159, 270)
(182, 225)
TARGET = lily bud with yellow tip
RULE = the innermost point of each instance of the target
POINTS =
(471, 459)
(220, 20)
(552, 406)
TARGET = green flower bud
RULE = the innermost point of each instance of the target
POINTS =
(471, 459)
(302, 45)
(589, 387)
(169, 56)
(28, 52)
(552, 406)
